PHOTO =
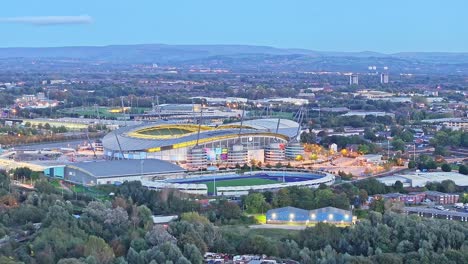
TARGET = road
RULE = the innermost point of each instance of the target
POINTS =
(285, 227)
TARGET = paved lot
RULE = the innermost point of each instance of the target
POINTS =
(272, 226)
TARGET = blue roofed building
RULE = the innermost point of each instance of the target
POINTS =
(114, 171)
(292, 215)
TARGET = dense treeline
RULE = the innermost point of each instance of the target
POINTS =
(48, 226)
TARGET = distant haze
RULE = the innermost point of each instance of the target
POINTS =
(332, 25)
(249, 58)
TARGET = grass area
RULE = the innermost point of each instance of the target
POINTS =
(260, 218)
(165, 131)
(55, 183)
(275, 234)
(70, 126)
(90, 191)
(78, 189)
(237, 182)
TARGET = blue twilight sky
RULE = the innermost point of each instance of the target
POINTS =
(327, 25)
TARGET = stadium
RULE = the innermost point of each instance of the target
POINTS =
(264, 140)
(232, 184)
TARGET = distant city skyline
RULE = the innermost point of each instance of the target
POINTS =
(396, 26)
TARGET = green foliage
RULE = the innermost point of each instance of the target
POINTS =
(255, 203)
(121, 230)
(342, 142)
(446, 186)
(98, 248)
(446, 167)
(398, 144)
(463, 169)
(194, 217)
(450, 138)
(192, 254)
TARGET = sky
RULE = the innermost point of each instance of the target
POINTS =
(324, 25)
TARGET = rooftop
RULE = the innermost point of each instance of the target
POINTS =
(128, 141)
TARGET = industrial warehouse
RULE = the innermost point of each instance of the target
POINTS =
(114, 171)
(199, 146)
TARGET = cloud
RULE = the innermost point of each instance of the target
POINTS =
(48, 20)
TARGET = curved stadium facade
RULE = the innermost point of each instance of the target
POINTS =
(230, 144)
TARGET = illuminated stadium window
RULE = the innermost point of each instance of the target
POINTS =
(312, 216)
(273, 216)
(291, 216)
(330, 216)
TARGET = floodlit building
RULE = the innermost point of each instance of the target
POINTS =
(292, 215)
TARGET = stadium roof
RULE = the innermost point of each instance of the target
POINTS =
(128, 142)
(119, 168)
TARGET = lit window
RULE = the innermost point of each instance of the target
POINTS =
(312, 216)
(330, 216)
(291, 216)
(346, 216)
(273, 215)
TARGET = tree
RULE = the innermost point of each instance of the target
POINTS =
(446, 167)
(282, 198)
(431, 165)
(194, 217)
(228, 210)
(97, 247)
(159, 235)
(398, 145)
(440, 150)
(448, 186)
(134, 257)
(407, 136)
(363, 149)
(69, 261)
(255, 203)
(411, 164)
(463, 169)
(192, 253)
(398, 186)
